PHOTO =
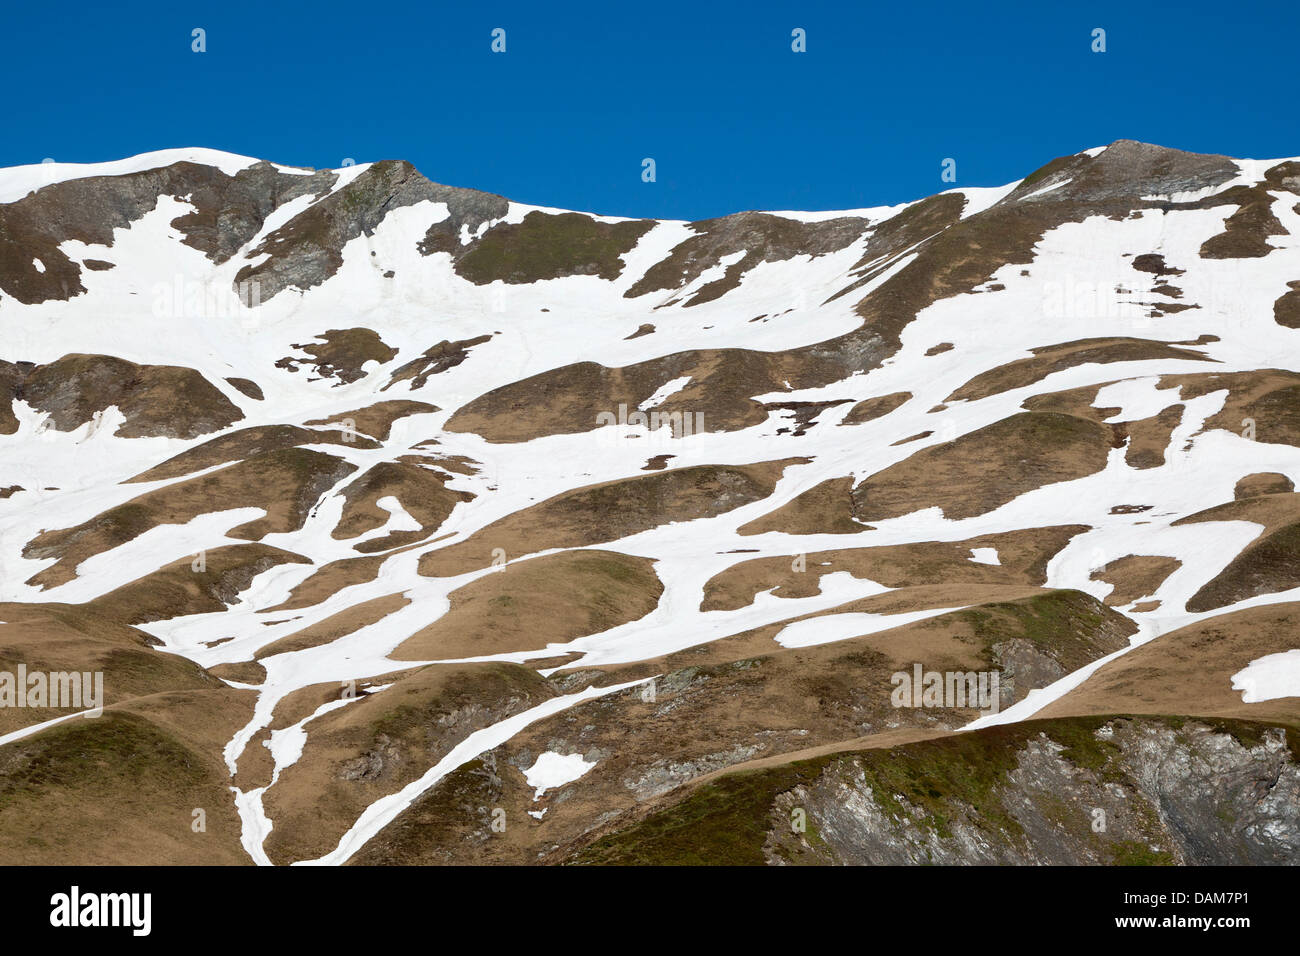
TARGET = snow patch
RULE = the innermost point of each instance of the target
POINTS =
(664, 391)
(842, 627)
(552, 770)
(1269, 677)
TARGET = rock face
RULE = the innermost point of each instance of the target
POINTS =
(747, 238)
(1073, 792)
(227, 212)
(1189, 794)
(449, 529)
(309, 249)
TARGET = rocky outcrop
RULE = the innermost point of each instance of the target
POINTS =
(1114, 790)
(227, 213)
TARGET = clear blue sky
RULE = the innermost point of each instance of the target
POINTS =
(712, 91)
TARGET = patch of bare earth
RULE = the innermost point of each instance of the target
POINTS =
(333, 577)
(341, 354)
(1148, 438)
(1286, 310)
(1262, 405)
(1189, 670)
(872, 408)
(421, 491)
(1269, 564)
(247, 443)
(550, 599)
(1246, 232)
(433, 361)
(826, 508)
(1055, 358)
(609, 511)
(987, 468)
(1023, 557)
(1263, 483)
(156, 400)
(73, 639)
(376, 421)
(549, 246)
(1135, 576)
(199, 584)
(338, 625)
(760, 237)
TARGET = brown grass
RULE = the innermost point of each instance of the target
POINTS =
(824, 509)
(555, 598)
(246, 443)
(1263, 483)
(336, 625)
(1189, 671)
(421, 491)
(872, 408)
(156, 400)
(609, 511)
(1023, 554)
(63, 637)
(987, 468)
(1135, 576)
(377, 420)
(1056, 358)
(178, 589)
(382, 742)
(122, 789)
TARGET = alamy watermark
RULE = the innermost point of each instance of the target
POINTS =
(57, 690)
(947, 689)
(665, 425)
(185, 298)
(77, 908)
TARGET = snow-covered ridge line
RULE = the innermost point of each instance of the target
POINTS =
(18, 181)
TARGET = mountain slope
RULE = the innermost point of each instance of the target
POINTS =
(452, 505)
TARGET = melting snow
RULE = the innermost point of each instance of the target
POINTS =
(664, 391)
(841, 627)
(552, 770)
(386, 809)
(583, 318)
(1269, 677)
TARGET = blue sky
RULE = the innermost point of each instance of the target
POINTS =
(712, 91)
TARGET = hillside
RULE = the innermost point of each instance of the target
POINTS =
(404, 523)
